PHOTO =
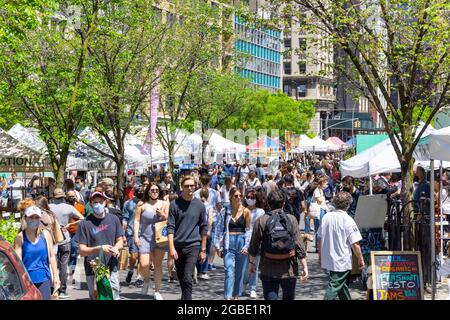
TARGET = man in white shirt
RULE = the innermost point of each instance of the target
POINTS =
(338, 235)
(16, 188)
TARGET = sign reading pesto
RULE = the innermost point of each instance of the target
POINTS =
(397, 275)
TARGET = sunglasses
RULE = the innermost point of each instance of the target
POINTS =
(154, 190)
(238, 196)
(189, 186)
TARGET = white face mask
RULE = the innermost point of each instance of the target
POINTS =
(99, 209)
(33, 224)
(250, 202)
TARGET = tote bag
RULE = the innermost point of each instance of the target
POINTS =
(161, 234)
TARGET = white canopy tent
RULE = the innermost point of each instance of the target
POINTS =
(15, 156)
(321, 145)
(375, 160)
(30, 139)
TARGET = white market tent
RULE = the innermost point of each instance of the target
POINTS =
(320, 145)
(313, 145)
(220, 144)
(15, 156)
(30, 139)
(375, 160)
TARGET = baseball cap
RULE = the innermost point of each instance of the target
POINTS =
(97, 193)
(33, 210)
(107, 181)
(59, 193)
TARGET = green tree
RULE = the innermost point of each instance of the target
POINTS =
(42, 70)
(195, 50)
(399, 50)
(265, 110)
(125, 57)
(213, 99)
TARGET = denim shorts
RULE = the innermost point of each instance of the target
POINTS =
(132, 247)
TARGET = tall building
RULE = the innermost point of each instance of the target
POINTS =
(258, 51)
(307, 73)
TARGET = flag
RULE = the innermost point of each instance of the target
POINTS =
(154, 104)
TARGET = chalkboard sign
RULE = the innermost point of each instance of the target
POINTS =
(397, 275)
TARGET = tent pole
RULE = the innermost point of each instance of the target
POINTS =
(370, 185)
(441, 254)
(432, 232)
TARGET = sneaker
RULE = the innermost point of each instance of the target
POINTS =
(204, 276)
(158, 296)
(171, 280)
(63, 295)
(253, 294)
(129, 276)
(211, 267)
(139, 283)
(145, 287)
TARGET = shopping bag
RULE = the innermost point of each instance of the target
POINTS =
(101, 271)
(313, 210)
(123, 259)
(161, 234)
(57, 232)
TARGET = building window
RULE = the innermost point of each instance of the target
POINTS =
(302, 44)
(301, 90)
(287, 43)
(287, 89)
(302, 67)
(287, 68)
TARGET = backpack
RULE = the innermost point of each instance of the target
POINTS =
(278, 241)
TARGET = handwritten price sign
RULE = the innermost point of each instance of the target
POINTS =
(397, 275)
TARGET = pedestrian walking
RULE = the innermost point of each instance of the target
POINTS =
(101, 231)
(255, 203)
(151, 210)
(233, 235)
(276, 237)
(34, 246)
(187, 233)
(64, 212)
(338, 236)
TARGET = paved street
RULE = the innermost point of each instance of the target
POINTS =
(212, 289)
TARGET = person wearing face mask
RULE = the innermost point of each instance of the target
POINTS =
(214, 179)
(72, 228)
(129, 209)
(34, 246)
(255, 203)
(348, 185)
(64, 212)
(101, 231)
(16, 187)
(241, 175)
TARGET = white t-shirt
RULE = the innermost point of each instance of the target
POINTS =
(445, 198)
(17, 192)
(225, 194)
(318, 193)
(337, 231)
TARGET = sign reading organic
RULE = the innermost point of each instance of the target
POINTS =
(397, 275)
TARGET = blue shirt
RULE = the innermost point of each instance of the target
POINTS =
(352, 210)
(214, 181)
(221, 235)
(35, 259)
(229, 170)
(128, 215)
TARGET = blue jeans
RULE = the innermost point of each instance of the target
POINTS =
(317, 225)
(252, 279)
(203, 267)
(235, 266)
(73, 253)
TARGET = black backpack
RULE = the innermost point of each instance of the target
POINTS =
(278, 237)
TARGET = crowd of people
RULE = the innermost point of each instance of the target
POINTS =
(247, 214)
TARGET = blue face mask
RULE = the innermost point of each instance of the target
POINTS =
(33, 224)
(98, 208)
(77, 187)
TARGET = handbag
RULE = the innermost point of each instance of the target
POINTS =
(314, 210)
(161, 234)
(57, 232)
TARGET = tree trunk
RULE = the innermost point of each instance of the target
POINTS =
(170, 148)
(120, 169)
(59, 168)
(407, 201)
(204, 145)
